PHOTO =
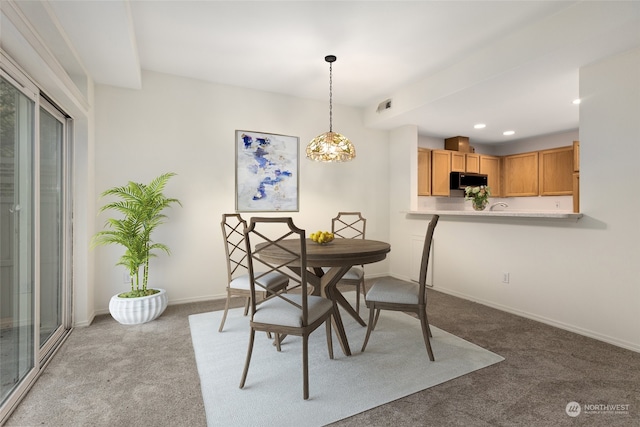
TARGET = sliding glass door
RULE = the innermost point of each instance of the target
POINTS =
(34, 236)
(17, 121)
(52, 273)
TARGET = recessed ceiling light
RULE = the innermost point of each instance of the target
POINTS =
(576, 101)
(479, 126)
(508, 132)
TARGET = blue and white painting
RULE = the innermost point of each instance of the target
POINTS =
(266, 172)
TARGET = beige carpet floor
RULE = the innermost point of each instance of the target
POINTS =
(109, 375)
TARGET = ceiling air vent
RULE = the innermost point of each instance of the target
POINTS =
(384, 105)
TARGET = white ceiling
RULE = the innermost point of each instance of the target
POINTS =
(446, 65)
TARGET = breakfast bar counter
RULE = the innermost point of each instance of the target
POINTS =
(500, 214)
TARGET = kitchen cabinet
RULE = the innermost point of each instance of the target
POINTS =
(521, 174)
(472, 163)
(435, 166)
(491, 166)
(576, 192)
(440, 170)
(576, 176)
(556, 171)
(424, 172)
(458, 162)
(465, 162)
(537, 173)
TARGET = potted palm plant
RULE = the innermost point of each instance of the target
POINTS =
(141, 207)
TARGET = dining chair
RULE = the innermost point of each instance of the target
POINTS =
(400, 295)
(351, 225)
(233, 226)
(294, 313)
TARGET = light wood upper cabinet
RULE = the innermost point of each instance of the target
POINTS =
(465, 162)
(576, 176)
(472, 163)
(556, 171)
(490, 165)
(435, 166)
(576, 192)
(537, 173)
(440, 170)
(458, 162)
(521, 175)
(424, 172)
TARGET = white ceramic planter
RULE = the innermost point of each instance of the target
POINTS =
(134, 311)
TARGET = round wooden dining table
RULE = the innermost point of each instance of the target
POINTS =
(338, 256)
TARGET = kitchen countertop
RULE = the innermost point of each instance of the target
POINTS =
(500, 213)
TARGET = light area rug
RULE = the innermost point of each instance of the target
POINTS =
(395, 364)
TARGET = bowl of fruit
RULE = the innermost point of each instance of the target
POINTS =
(322, 237)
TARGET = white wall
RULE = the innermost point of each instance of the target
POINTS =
(188, 127)
(543, 142)
(26, 48)
(583, 276)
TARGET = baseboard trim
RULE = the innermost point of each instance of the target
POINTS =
(173, 302)
(197, 299)
(551, 322)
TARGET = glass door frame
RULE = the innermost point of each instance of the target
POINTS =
(45, 350)
(42, 355)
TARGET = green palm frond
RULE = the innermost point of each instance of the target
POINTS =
(141, 207)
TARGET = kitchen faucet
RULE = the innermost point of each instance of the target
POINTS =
(503, 204)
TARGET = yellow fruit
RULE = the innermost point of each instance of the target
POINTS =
(321, 236)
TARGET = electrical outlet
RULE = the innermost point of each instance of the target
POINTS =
(126, 278)
(505, 277)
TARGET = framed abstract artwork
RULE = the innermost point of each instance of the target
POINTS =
(266, 172)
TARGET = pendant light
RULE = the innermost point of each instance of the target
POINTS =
(330, 146)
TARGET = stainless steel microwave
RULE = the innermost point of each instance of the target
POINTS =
(461, 180)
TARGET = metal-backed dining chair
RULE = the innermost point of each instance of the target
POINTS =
(291, 313)
(233, 226)
(351, 225)
(400, 295)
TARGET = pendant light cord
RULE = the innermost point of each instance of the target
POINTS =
(330, 96)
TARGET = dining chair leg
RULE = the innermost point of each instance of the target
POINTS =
(425, 334)
(375, 322)
(329, 338)
(278, 341)
(224, 315)
(305, 367)
(246, 306)
(370, 326)
(248, 361)
(363, 290)
(358, 298)
(342, 335)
